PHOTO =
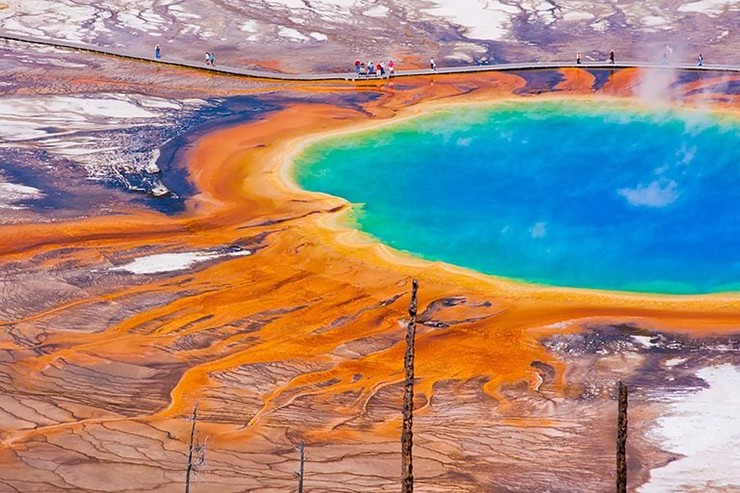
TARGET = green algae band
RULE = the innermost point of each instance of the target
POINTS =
(568, 194)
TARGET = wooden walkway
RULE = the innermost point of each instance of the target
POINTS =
(350, 75)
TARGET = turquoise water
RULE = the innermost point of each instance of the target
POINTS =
(567, 194)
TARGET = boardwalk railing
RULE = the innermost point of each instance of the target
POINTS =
(350, 75)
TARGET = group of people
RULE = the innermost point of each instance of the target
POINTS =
(368, 69)
(379, 69)
(374, 69)
(666, 53)
(611, 57)
(210, 57)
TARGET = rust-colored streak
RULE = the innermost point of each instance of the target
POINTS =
(576, 80)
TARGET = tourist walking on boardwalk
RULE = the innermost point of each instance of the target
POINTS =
(213, 59)
(611, 57)
(208, 58)
(357, 67)
(700, 60)
(432, 65)
(578, 58)
(666, 54)
(391, 68)
(157, 52)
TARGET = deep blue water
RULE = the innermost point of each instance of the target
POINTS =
(569, 194)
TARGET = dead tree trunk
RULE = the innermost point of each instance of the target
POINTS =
(407, 472)
(190, 450)
(302, 448)
(622, 440)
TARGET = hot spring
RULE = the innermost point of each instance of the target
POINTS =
(575, 194)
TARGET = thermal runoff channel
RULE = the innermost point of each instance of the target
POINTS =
(576, 194)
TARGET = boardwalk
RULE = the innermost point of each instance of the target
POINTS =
(350, 75)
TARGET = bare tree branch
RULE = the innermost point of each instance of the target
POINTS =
(302, 448)
(622, 440)
(191, 449)
(407, 436)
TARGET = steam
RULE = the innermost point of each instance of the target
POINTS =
(657, 194)
(656, 86)
(661, 87)
(664, 89)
